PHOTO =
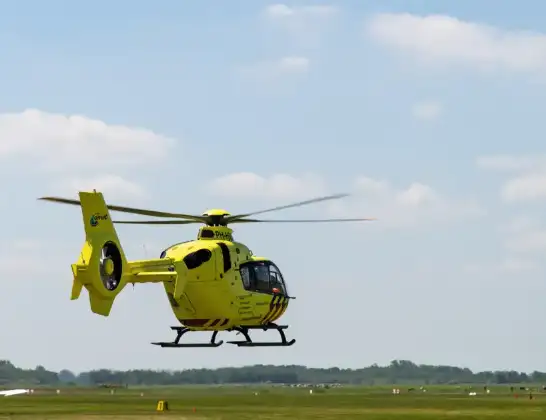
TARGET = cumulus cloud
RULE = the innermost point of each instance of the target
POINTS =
(528, 176)
(74, 142)
(412, 205)
(114, 187)
(525, 187)
(71, 147)
(441, 39)
(524, 235)
(278, 186)
(282, 11)
(395, 207)
(304, 23)
(523, 243)
(426, 110)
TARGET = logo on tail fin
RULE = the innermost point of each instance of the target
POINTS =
(94, 221)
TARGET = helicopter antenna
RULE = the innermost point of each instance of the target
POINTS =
(145, 251)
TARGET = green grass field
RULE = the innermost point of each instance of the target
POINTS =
(275, 403)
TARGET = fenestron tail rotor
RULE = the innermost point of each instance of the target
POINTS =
(215, 217)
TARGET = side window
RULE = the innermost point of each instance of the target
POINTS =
(195, 259)
(245, 276)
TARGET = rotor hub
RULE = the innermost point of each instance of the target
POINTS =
(216, 217)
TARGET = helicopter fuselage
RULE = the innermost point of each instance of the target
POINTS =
(225, 284)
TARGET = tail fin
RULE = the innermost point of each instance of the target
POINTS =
(102, 265)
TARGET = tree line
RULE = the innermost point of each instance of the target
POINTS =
(397, 372)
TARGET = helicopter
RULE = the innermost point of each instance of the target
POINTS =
(213, 283)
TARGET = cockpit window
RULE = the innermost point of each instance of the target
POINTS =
(262, 276)
(245, 276)
(275, 277)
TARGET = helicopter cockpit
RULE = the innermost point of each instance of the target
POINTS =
(263, 277)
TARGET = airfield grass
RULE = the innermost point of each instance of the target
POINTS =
(200, 403)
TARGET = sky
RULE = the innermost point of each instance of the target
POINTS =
(430, 116)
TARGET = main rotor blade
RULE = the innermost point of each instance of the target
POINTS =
(301, 220)
(231, 219)
(155, 222)
(122, 209)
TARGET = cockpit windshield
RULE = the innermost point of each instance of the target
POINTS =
(263, 276)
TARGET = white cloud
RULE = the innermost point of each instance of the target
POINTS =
(440, 39)
(114, 187)
(528, 184)
(304, 23)
(523, 240)
(427, 110)
(415, 204)
(292, 65)
(525, 188)
(282, 11)
(524, 237)
(395, 207)
(73, 142)
(274, 69)
(278, 186)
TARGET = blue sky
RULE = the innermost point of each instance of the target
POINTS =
(430, 117)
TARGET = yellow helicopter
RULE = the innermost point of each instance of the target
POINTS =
(213, 283)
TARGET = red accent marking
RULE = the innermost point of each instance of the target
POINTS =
(194, 322)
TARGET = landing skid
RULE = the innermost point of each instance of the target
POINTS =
(247, 342)
(244, 330)
(180, 331)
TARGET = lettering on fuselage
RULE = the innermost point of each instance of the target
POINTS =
(224, 236)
